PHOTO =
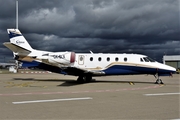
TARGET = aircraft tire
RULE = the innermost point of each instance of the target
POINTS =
(80, 79)
(88, 78)
(159, 81)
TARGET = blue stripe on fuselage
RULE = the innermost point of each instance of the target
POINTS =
(126, 70)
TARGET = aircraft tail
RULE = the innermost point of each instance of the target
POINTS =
(18, 44)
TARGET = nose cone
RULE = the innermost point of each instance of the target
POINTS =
(166, 69)
(171, 69)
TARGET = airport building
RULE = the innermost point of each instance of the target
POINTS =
(172, 60)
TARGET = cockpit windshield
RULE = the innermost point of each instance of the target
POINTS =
(145, 59)
(148, 59)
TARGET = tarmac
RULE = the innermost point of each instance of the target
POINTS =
(55, 96)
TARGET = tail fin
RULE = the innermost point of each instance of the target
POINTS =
(17, 39)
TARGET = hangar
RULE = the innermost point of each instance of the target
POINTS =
(172, 60)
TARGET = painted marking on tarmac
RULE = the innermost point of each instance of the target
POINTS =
(53, 100)
(160, 94)
(85, 91)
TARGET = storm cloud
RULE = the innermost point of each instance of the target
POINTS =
(150, 27)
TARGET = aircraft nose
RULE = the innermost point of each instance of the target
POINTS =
(166, 69)
(173, 69)
(170, 69)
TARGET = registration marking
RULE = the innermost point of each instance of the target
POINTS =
(52, 100)
(158, 94)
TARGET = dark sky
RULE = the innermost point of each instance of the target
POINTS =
(150, 27)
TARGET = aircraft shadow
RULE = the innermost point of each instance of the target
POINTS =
(125, 82)
(70, 82)
(45, 80)
(66, 82)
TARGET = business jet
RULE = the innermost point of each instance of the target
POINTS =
(84, 65)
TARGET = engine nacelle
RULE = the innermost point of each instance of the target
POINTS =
(64, 58)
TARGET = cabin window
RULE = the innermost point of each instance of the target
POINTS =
(99, 59)
(108, 59)
(125, 59)
(116, 59)
(91, 58)
(81, 58)
(141, 60)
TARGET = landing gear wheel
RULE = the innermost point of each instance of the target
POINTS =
(80, 79)
(88, 78)
(159, 81)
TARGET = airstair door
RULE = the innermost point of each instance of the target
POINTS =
(81, 60)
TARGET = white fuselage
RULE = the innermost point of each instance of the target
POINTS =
(109, 64)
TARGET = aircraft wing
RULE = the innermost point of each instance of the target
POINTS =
(80, 71)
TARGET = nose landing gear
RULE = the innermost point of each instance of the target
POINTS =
(158, 81)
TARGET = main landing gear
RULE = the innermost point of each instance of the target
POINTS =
(158, 81)
(83, 79)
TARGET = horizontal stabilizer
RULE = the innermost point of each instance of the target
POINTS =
(16, 49)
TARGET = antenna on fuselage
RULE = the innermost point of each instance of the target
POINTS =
(91, 52)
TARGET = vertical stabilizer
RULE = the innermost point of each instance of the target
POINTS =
(18, 39)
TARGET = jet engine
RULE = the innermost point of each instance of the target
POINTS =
(64, 58)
